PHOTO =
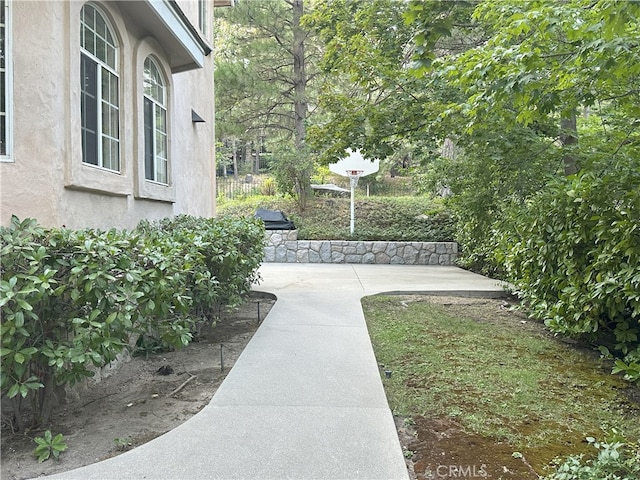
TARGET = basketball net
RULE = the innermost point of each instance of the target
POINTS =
(354, 175)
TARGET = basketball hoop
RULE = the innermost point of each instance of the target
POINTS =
(354, 175)
(354, 166)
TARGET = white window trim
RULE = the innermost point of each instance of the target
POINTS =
(8, 100)
(82, 176)
(149, 189)
(103, 65)
(164, 106)
(202, 17)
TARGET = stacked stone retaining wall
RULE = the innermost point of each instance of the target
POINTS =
(283, 246)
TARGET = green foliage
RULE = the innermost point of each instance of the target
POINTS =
(418, 219)
(268, 187)
(292, 172)
(265, 76)
(489, 172)
(541, 58)
(631, 368)
(616, 459)
(49, 445)
(365, 60)
(72, 300)
(573, 254)
(523, 67)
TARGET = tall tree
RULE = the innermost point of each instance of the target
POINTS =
(367, 50)
(543, 62)
(552, 87)
(263, 79)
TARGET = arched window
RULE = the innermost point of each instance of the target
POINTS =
(155, 124)
(99, 90)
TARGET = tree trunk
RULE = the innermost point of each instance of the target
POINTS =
(49, 398)
(235, 160)
(568, 138)
(300, 102)
(256, 164)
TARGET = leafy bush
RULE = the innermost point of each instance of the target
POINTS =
(574, 255)
(615, 460)
(72, 300)
(418, 219)
(68, 301)
(222, 255)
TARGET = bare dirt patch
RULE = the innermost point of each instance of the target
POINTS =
(143, 399)
(442, 449)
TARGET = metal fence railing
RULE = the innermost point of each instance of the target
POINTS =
(249, 185)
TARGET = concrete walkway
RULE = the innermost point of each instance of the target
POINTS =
(305, 399)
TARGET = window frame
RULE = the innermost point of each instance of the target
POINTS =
(104, 73)
(202, 17)
(157, 106)
(8, 83)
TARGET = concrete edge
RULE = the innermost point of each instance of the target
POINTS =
(450, 293)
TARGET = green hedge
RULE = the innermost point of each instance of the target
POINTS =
(411, 219)
(573, 255)
(71, 300)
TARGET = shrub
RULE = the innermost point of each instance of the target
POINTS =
(416, 219)
(616, 460)
(573, 253)
(72, 300)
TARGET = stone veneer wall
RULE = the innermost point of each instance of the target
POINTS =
(283, 246)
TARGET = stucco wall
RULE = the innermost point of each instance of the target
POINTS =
(46, 178)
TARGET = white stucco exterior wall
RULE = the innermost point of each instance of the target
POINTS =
(46, 178)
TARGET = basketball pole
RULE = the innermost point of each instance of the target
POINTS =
(353, 205)
(354, 175)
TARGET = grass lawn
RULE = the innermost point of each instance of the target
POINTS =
(498, 375)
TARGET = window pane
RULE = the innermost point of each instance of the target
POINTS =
(110, 158)
(161, 119)
(113, 90)
(90, 42)
(162, 171)
(89, 110)
(101, 49)
(3, 135)
(115, 123)
(89, 16)
(111, 57)
(161, 149)
(2, 93)
(149, 153)
(89, 147)
(106, 86)
(116, 155)
(100, 26)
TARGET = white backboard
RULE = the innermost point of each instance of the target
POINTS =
(355, 161)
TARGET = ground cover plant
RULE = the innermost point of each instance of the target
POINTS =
(415, 219)
(500, 377)
(73, 300)
(573, 253)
